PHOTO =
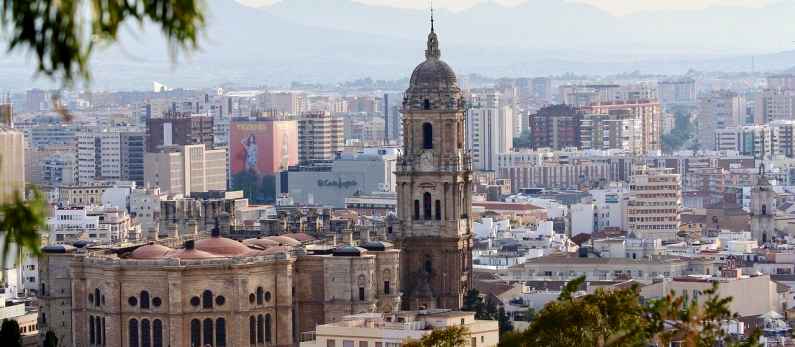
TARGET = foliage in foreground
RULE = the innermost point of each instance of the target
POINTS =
(9, 334)
(62, 34)
(20, 222)
(616, 318)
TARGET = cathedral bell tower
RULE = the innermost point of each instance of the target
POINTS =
(434, 183)
(763, 210)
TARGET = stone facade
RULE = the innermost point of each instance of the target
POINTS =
(213, 291)
(434, 184)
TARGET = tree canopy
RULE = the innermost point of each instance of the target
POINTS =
(62, 34)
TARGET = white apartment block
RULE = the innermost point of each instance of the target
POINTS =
(98, 156)
(186, 169)
(91, 223)
(768, 141)
(490, 129)
(655, 201)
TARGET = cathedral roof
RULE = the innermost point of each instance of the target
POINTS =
(433, 85)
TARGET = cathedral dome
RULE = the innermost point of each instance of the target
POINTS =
(433, 85)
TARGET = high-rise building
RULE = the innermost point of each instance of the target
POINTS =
(434, 186)
(774, 104)
(175, 128)
(680, 91)
(542, 88)
(556, 127)
(489, 129)
(186, 169)
(12, 164)
(320, 137)
(719, 110)
(133, 148)
(655, 201)
(781, 81)
(98, 156)
(619, 129)
(647, 112)
(290, 103)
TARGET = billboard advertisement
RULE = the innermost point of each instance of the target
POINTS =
(258, 151)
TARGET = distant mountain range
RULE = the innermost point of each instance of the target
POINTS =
(337, 40)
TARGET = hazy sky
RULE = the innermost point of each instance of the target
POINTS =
(618, 7)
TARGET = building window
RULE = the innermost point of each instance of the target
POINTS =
(427, 136)
(362, 343)
(91, 330)
(158, 333)
(251, 298)
(428, 266)
(195, 332)
(259, 295)
(426, 104)
(268, 328)
(260, 329)
(104, 341)
(361, 293)
(195, 301)
(387, 289)
(220, 332)
(207, 331)
(96, 296)
(146, 333)
(133, 333)
(157, 302)
(267, 296)
(438, 210)
(207, 300)
(144, 300)
(220, 300)
(252, 330)
(426, 205)
(330, 343)
(416, 209)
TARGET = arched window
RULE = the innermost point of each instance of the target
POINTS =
(260, 329)
(207, 331)
(416, 209)
(428, 266)
(220, 332)
(146, 333)
(207, 299)
(426, 205)
(427, 136)
(133, 332)
(260, 293)
(426, 104)
(764, 209)
(98, 325)
(91, 330)
(195, 332)
(252, 330)
(157, 333)
(96, 296)
(438, 210)
(268, 328)
(104, 341)
(144, 300)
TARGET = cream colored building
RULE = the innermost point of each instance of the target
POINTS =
(320, 136)
(211, 291)
(655, 201)
(391, 330)
(12, 163)
(566, 267)
(186, 169)
(751, 295)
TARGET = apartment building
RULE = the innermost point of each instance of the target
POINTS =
(320, 137)
(12, 163)
(716, 111)
(490, 129)
(655, 201)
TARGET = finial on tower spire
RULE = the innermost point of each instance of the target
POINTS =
(431, 15)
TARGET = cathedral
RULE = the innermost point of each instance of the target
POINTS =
(434, 183)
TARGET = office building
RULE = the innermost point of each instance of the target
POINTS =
(186, 169)
(320, 137)
(133, 148)
(98, 156)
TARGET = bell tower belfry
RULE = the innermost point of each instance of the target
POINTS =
(434, 183)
